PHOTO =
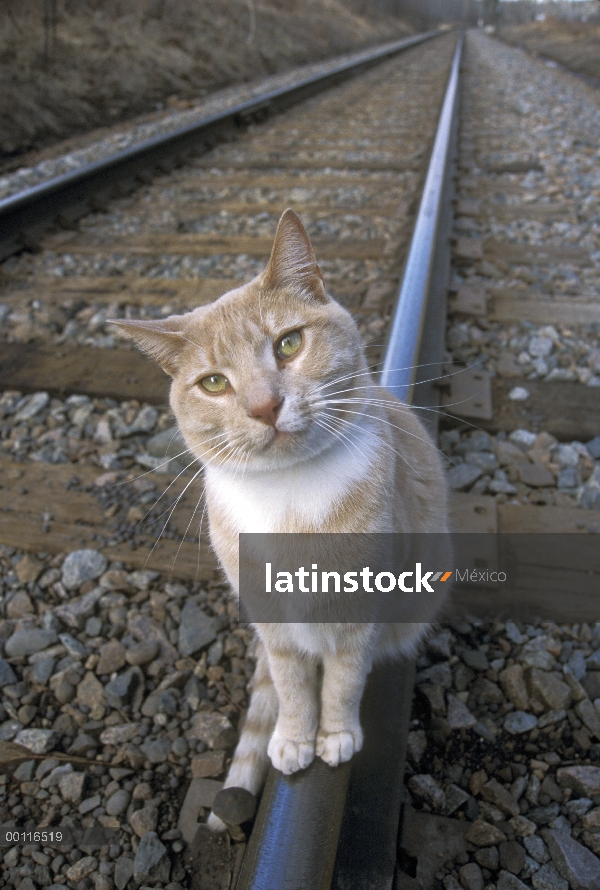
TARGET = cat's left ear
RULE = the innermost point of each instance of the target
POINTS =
(293, 263)
(162, 339)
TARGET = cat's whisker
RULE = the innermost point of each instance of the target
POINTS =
(374, 385)
(169, 459)
(334, 421)
(184, 536)
(155, 545)
(395, 426)
(160, 497)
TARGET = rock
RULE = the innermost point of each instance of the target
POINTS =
(118, 802)
(579, 807)
(584, 780)
(497, 794)
(151, 861)
(592, 662)
(471, 876)
(82, 868)
(536, 475)
(462, 476)
(29, 640)
(71, 786)
(512, 856)
(212, 728)
(591, 717)
(512, 681)
(488, 857)
(121, 690)
(7, 675)
(75, 612)
(74, 648)
(549, 689)
(458, 715)
(168, 443)
(426, 788)
(518, 721)
(90, 692)
(536, 848)
(144, 820)
(141, 627)
(196, 629)
(119, 734)
(112, 657)
(123, 872)
(522, 827)
(437, 674)
(40, 741)
(32, 406)
(544, 815)
(19, 605)
(593, 446)
(455, 798)
(482, 834)
(209, 764)
(142, 653)
(506, 881)
(574, 862)
(29, 569)
(156, 751)
(547, 878)
(82, 744)
(82, 565)
(417, 745)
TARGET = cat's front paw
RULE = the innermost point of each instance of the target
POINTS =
(288, 756)
(338, 747)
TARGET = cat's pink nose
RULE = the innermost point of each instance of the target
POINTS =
(267, 411)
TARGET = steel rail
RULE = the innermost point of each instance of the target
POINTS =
(401, 361)
(325, 829)
(26, 215)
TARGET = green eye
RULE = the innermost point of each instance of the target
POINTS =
(289, 344)
(214, 383)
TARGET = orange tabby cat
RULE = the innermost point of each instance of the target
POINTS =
(271, 390)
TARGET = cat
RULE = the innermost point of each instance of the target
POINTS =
(272, 392)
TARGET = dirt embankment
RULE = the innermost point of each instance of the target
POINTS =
(573, 44)
(107, 60)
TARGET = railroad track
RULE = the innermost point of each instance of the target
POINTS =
(185, 238)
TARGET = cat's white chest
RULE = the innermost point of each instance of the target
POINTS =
(264, 502)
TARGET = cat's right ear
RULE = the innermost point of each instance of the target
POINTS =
(161, 338)
(292, 263)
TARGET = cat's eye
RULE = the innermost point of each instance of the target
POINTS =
(289, 344)
(214, 383)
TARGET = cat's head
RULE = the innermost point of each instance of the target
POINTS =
(249, 369)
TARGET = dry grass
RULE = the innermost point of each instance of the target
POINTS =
(574, 44)
(117, 58)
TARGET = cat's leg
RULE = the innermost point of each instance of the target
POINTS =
(292, 745)
(344, 676)
(250, 762)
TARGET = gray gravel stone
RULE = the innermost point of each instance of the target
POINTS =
(196, 629)
(29, 640)
(547, 878)
(151, 861)
(120, 691)
(82, 565)
(506, 881)
(32, 406)
(519, 721)
(71, 786)
(463, 476)
(118, 802)
(38, 740)
(142, 653)
(156, 751)
(575, 863)
(536, 848)
(75, 612)
(7, 675)
(123, 872)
